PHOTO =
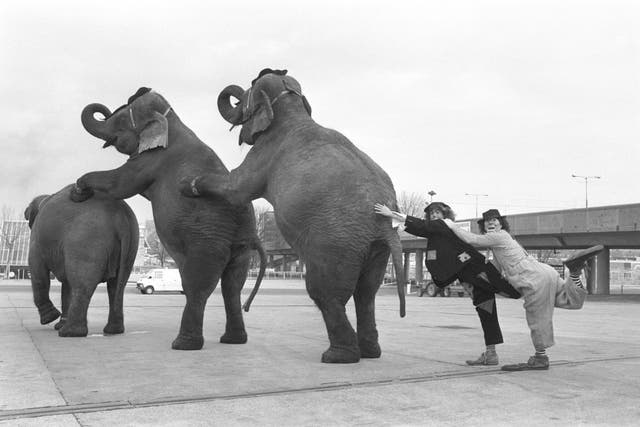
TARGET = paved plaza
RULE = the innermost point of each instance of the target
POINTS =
(277, 378)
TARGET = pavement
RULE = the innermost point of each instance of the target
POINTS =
(277, 378)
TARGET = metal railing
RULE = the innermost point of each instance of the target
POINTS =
(279, 274)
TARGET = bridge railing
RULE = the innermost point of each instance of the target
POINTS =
(279, 274)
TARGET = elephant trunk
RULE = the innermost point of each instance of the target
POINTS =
(230, 113)
(97, 128)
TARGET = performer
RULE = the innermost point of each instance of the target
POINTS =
(448, 258)
(540, 284)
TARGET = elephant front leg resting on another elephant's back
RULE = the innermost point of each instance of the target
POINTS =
(121, 183)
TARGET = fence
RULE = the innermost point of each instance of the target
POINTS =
(279, 274)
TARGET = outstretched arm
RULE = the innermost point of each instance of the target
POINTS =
(240, 186)
(121, 183)
(214, 185)
(477, 240)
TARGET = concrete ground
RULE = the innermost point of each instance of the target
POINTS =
(277, 378)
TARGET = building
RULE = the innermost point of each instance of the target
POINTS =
(14, 258)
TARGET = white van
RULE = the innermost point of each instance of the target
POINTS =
(160, 279)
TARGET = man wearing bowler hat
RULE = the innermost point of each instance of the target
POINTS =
(449, 258)
(540, 284)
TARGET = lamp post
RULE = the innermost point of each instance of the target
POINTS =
(476, 196)
(586, 194)
(431, 193)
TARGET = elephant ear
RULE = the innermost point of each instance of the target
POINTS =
(154, 134)
(30, 213)
(262, 118)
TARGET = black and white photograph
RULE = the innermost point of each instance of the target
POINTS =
(336, 213)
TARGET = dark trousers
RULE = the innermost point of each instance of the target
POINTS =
(487, 282)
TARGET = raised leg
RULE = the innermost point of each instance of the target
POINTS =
(364, 298)
(40, 285)
(233, 279)
(200, 275)
(330, 289)
(115, 324)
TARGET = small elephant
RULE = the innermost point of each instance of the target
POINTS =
(323, 189)
(210, 240)
(82, 245)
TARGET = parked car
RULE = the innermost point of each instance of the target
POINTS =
(430, 288)
(160, 279)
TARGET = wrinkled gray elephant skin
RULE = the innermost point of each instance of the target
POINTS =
(323, 189)
(82, 245)
(210, 240)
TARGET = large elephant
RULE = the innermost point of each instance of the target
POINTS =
(210, 240)
(323, 190)
(82, 245)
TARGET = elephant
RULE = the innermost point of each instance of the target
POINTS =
(210, 240)
(82, 245)
(323, 189)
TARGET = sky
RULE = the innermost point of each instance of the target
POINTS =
(500, 99)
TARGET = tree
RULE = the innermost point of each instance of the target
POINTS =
(154, 245)
(12, 229)
(412, 204)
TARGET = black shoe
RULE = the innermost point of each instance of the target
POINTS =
(575, 263)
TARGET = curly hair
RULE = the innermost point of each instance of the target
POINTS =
(446, 210)
(503, 223)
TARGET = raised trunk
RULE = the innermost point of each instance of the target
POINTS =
(230, 113)
(97, 128)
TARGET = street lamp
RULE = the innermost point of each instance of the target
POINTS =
(476, 196)
(431, 193)
(586, 190)
(586, 194)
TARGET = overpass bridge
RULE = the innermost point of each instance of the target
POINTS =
(615, 227)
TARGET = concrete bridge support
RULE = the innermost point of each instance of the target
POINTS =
(598, 282)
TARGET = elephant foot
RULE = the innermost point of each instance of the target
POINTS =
(60, 324)
(187, 343)
(341, 355)
(48, 315)
(113, 328)
(234, 338)
(68, 330)
(370, 350)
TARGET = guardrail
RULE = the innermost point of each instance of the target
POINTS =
(279, 274)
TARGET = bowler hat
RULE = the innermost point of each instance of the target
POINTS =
(491, 213)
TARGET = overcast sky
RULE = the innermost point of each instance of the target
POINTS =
(504, 98)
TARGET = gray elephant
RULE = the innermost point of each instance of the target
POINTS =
(82, 245)
(210, 240)
(323, 190)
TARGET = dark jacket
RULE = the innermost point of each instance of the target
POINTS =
(446, 253)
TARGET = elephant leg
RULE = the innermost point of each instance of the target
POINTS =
(199, 278)
(40, 286)
(331, 291)
(76, 323)
(364, 298)
(65, 294)
(232, 281)
(115, 324)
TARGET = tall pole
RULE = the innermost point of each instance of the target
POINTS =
(476, 196)
(586, 194)
(431, 193)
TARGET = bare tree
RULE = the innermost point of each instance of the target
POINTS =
(412, 204)
(156, 248)
(10, 233)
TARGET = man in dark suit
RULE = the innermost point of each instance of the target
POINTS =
(449, 258)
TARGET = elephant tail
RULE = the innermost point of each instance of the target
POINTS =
(128, 251)
(257, 245)
(396, 256)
